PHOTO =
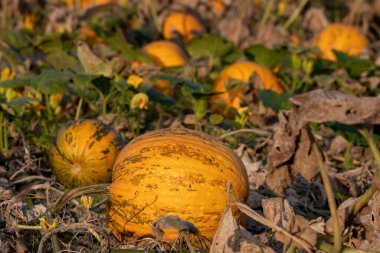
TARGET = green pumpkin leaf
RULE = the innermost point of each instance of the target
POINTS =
(267, 57)
(209, 46)
(60, 60)
(354, 65)
(274, 100)
(50, 81)
(92, 64)
(15, 83)
(20, 105)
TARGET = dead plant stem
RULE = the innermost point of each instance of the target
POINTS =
(330, 199)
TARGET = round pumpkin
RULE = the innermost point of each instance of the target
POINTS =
(173, 172)
(342, 38)
(182, 23)
(84, 4)
(241, 72)
(83, 153)
(165, 54)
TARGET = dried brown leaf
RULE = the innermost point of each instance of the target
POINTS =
(330, 105)
(231, 237)
(315, 20)
(280, 212)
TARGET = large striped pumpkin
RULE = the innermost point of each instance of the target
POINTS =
(83, 153)
(168, 172)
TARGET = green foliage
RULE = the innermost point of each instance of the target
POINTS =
(274, 100)
(267, 57)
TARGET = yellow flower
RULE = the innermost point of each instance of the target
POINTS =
(86, 201)
(135, 81)
(281, 8)
(29, 21)
(7, 74)
(46, 226)
(139, 101)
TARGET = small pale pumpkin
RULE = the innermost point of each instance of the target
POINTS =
(173, 172)
(239, 71)
(83, 153)
(182, 23)
(341, 38)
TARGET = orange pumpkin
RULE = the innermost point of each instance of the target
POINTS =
(83, 153)
(239, 71)
(84, 4)
(173, 172)
(165, 54)
(182, 23)
(341, 38)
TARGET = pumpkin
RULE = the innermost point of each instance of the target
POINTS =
(165, 54)
(84, 4)
(90, 35)
(341, 38)
(182, 23)
(83, 153)
(239, 71)
(173, 172)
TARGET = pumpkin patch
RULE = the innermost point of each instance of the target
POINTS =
(248, 126)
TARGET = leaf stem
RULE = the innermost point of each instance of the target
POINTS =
(79, 108)
(295, 14)
(267, 12)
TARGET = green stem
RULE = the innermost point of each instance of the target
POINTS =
(330, 200)
(1, 132)
(373, 147)
(5, 135)
(363, 199)
(196, 124)
(4, 19)
(153, 13)
(137, 129)
(79, 108)
(292, 249)
(48, 107)
(104, 107)
(268, 9)
(295, 14)
(347, 157)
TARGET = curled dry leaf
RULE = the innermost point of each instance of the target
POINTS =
(329, 105)
(280, 212)
(231, 237)
(291, 153)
